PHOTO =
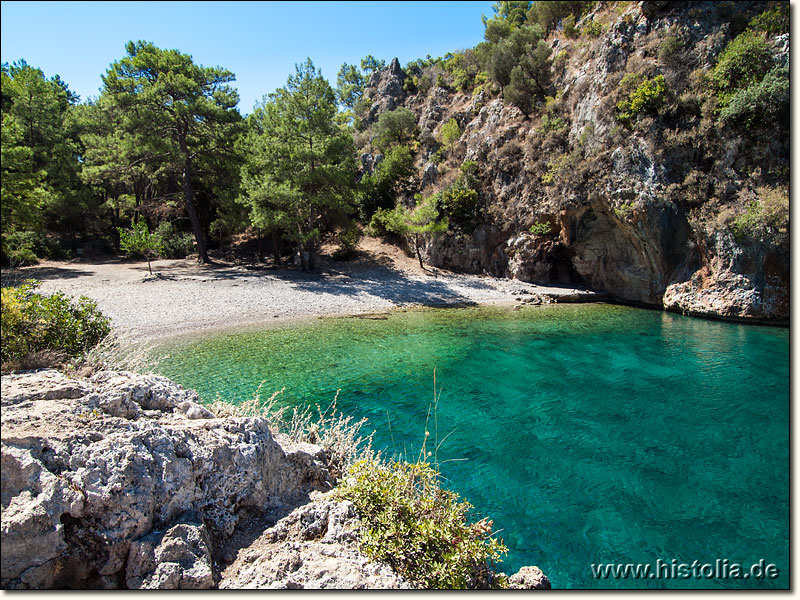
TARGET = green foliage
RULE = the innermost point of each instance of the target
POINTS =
(26, 248)
(380, 190)
(172, 243)
(774, 20)
(766, 216)
(464, 67)
(300, 170)
(549, 13)
(551, 120)
(420, 529)
(520, 63)
(40, 181)
(349, 85)
(670, 50)
(394, 127)
(33, 323)
(459, 203)
(183, 114)
(568, 23)
(540, 228)
(760, 103)
(743, 62)
(386, 221)
(421, 222)
(648, 96)
(138, 240)
(449, 133)
(592, 28)
(560, 166)
(348, 239)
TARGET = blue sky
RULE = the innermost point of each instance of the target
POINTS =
(259, 41)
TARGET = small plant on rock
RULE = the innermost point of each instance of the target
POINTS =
(421, 530)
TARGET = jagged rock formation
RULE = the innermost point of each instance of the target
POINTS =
(125, 481)
(642, 213)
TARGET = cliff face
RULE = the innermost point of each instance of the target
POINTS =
(643, 210)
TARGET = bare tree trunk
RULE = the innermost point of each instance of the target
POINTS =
(419, 254)
(276, 251)
(188, 197)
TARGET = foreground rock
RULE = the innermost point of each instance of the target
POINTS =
(125, 481)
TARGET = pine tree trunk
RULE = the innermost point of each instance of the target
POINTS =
(188, 197)
(419, 254)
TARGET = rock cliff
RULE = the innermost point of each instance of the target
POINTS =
(644, 211)
(124, 481)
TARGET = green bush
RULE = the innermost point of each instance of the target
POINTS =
(173, 243)
(348, 239)
(774, 20)
(743, 62)
(394, 127)
(459, 203)
(450, 133)
(540, 228)
(385, 221)
(420, 529)
(34, 323)
(568, 23)
(592, 28)
(21, 248)
(762, 102)
(646, 98)
(766, 216)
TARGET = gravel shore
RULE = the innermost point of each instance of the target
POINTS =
(184, 297)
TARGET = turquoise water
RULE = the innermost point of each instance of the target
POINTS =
(588, 433)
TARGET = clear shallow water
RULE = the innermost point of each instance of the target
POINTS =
(591, 433)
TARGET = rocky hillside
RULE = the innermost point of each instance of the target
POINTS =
(124, 481)
(625, 175)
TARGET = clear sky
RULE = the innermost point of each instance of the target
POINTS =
(259, 41)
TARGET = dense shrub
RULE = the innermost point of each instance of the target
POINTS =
(743, 62)
(420, 529)
(648, 96)
(34, 323)
(774, 20)
(762, 102)
(459, 203)
(766, 216)
(449, 133)
(380, 189)
(21, 248)
(395, 127)
(174, 244)
(348, 239)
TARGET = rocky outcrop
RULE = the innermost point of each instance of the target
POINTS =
(124, 481)
(316, 546)
(641, 211)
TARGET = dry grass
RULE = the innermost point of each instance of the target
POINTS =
(118, 351)
(338, 434)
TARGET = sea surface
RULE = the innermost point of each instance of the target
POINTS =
(590, 434)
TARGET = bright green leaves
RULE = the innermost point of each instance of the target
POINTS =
(646, 97)
(420, 529)
(138, 240)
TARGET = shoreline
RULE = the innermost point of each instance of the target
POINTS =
(184, 297)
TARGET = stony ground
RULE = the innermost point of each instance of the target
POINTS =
(185, 296)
